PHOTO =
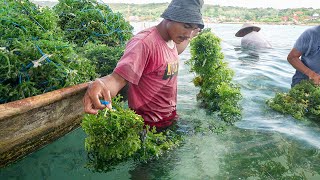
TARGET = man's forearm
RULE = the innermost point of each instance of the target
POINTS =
(182, 46)
(113, 82)
(294, 59)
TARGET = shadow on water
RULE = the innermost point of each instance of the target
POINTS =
(247, 55)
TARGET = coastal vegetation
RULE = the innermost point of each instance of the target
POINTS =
(224, 14)
(218, 14)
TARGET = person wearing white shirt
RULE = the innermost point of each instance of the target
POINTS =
(252, 38)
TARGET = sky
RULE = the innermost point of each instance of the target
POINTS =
(278, 4)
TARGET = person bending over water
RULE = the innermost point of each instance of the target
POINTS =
(252, 38)
(150, 66)
(305, 56)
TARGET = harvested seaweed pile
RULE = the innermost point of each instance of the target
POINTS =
(88, 21)
(34, 56)
(43, 49)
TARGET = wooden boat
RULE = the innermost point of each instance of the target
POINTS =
(28, 124)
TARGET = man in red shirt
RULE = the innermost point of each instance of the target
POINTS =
(150, 66)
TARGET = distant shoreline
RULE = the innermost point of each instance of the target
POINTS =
(261, 23)
(268, 23)
(207, 19)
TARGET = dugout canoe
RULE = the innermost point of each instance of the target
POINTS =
(28, 124)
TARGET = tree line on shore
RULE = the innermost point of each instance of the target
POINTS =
(224, 14)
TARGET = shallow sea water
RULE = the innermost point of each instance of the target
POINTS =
(263, 145)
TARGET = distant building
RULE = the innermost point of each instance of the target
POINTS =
(285, 18)
(315, 16)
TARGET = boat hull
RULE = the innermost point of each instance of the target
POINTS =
(28, 124)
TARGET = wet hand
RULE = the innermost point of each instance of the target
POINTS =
(97, 90)
(315, 78)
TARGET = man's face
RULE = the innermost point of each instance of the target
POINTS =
(180, 32)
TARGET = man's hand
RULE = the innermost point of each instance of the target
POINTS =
(102, 88)
(314, 77)
(91, 100)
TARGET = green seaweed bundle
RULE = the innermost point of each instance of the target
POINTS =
(114, 136)
(24, 20)
(217, 91)
(104, 57)
(99, 33)
(89, 21)
(302, 101)
(34, 57)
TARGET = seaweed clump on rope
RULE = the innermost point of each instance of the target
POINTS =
(99, 33)
(214, 78)
(34, 56)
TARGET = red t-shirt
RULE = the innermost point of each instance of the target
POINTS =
(151, 69)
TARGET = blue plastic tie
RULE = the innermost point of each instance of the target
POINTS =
(29, 65)
(104, 102)
(48, 60)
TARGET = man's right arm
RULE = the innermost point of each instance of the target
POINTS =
(294, 59)
(102, 88)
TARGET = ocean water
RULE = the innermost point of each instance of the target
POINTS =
(263, 145)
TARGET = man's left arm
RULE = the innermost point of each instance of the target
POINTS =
(183, 45)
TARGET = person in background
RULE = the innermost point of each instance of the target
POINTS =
(150, 66)
(251, 37)
(305, 56)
